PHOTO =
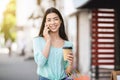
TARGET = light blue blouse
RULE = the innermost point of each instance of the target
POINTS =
(54, 66)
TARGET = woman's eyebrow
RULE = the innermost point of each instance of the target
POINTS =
(55, 17)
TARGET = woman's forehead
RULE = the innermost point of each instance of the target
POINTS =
(52, 15)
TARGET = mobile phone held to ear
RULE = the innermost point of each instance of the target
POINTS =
(49, 30)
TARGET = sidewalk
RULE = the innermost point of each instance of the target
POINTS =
(17, 68)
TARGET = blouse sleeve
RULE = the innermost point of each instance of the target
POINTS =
(39, 58)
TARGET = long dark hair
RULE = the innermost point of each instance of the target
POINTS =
(62, 33)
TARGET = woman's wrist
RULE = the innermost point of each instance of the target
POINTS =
(48, 41)
(71, 64)
(69, 69)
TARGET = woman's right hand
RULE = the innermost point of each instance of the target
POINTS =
(46, 32)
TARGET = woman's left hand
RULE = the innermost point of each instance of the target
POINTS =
(70, 58)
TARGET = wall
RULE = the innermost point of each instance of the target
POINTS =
(85, 43)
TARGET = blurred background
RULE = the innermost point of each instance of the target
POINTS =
(92, 26)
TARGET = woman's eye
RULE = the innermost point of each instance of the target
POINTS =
(48, 20)
(56, 19)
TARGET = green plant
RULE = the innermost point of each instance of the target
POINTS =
(8, 26)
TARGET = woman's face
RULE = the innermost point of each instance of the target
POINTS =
(53, 22)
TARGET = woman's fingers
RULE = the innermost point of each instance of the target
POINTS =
(46, 28)
(70, 55)
(70, 58)
(46, 32)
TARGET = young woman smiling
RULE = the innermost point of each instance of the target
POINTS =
(48, 53)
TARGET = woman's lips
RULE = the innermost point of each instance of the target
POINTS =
(53, 27)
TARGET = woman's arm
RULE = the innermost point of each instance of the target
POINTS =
(41, 53)
(46, 49)
(69, 69)
(47, 37)
(70, 61)
(38, 49)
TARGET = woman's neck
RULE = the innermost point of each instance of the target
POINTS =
(57, 42)
(55, 36)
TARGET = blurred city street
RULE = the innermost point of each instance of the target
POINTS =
(92, 26)
(17, 68)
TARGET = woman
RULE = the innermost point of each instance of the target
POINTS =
(48, 53)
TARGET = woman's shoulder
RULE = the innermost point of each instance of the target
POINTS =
(68, 43)
(38, 38)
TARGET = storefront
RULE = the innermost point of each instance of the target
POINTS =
(97, 8)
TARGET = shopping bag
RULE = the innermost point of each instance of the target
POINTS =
(82, 77)
(75, 75)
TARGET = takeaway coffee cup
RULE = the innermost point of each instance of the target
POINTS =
(66, 51)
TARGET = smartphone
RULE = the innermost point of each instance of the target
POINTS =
(49, 30)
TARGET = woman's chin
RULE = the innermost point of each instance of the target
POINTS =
(53, 31)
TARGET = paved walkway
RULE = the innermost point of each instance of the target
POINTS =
(17, 68)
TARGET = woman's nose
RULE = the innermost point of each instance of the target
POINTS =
(52, 21)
